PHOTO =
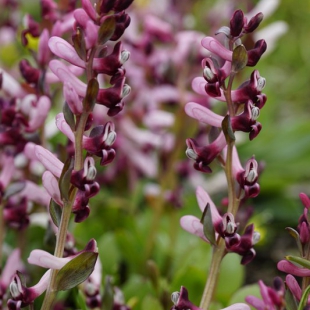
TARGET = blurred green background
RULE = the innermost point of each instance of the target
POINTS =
(122, 220)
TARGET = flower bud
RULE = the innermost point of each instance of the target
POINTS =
(208, 74)
(190, 153)
(126, 90)
(254, 22)
(124, 56)
(229, 224)
(175, 297)
(236, 23)
(90, 169)
(16, 288)
(255, 237)
(261, 82)
(111, 138)
(255, 111)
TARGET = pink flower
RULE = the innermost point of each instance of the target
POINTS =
(272, 297)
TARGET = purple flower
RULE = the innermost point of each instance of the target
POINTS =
(204, 155)
(272, 297)
(24, 296)
(224, 226)
(181, 302)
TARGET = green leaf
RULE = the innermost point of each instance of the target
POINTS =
(151, 303)
(64, 180)
(304, 299)
(239, 58)
(106, 29)
(13, 189)
(295, 235)
(227, 129)
(80, 299)
(290, 301)
(244, 291)
(76, 271)
(55, 212)
(108, 295)
(208, 228)
(301, 261)
(231, 272)
(79, 43)
(69, 116)
(91, 95)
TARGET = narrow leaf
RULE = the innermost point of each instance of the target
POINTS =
(304, 299)
(79, 44)
(69, 116)
(106, 29)
(108, 295)
(76, 271)
(239, 58)
(295, 235)
(55, 212)
(227, 129)
(301, 261)
(80, 299)
(64, 180)
(153, 273)
(91, 95)
(208, 228)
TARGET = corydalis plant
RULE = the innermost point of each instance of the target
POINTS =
(243, 106)
(71, 184)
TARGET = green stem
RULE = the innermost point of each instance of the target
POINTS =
(59, 250)
(67, 208)
(219, 250)
(66, 213)
(218, 253)
(232, 197)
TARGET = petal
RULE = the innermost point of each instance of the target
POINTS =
(39, 113)
(63, 126)
(293, 286)
(66, 51)
(203, 114)
(203, 199)
(7, 170)
(13, 263)
(198, 85)
(238, 306)
(192, 224)
(41, 286)
(49, 160)
(255, 302)
(65, 75)
(10, 85)
(46, 260)
(146, 163)
(43, 52)
(158, 119)
(89, 9)
(289, 267)
(214, 46)
(35, 193)
(51, 185)
(141, 136)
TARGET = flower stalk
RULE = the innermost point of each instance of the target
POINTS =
(218, 253)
